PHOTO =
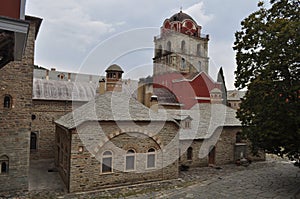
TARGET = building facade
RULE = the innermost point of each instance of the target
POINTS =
(15, 110)
(102, 145)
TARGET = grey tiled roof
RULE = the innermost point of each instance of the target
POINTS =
(165, 96)
(63, 90)
(206, 118)
(111, 106)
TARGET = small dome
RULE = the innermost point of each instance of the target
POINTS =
(115, 68)
(180, 16)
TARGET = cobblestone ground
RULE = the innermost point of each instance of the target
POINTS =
(269, 179)
(259, 180)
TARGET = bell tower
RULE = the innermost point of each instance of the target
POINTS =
(180, 47)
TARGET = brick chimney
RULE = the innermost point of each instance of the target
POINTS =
(102, 85)
(154, 103)
(114, 78)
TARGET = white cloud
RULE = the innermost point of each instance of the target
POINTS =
(197, 11)
(71, 24)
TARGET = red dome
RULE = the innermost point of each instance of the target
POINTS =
(181, 16)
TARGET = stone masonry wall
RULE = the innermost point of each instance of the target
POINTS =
(16, 81)
(46, 112)
(196, 161)
(85, 168)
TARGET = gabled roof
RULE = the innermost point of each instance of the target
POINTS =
(111, 106)
(206, 118)
(235, 95)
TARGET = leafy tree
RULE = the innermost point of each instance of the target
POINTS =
(268, 66)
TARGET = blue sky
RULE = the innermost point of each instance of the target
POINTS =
(86, 36)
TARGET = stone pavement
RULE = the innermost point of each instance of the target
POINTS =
(269, 179)
(259, 180)
(42, 176)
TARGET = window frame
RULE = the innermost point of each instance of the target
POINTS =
(127, 155)
(107, 156)
(151, 153)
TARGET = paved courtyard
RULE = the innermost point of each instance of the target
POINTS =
(275, 179)
(269, 179)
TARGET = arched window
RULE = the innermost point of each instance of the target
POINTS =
(107, 162)
(151, 158)
(183, 46)
(33, 141)
(198, 49)
(130, 160)
(4, 164)
(159, 51)
(199, 66)
(7, 101)
(183, 63)
(169, 46)
(190, 153)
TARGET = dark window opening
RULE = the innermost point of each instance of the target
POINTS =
(190, 153)
(33, 141)
(4, 164)
(7, 101)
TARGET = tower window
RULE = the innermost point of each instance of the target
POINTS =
(183, 46)
(159, 51)
(183, 63)
(7, 101)
(199, 66)
(198, 49)
(4, 164)
(169, 46)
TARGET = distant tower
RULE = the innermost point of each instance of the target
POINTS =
(114, 78)
(180, 47)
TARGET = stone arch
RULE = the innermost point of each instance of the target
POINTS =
(155, 138)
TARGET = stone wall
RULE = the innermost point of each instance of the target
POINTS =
(224, 140)
(46, 112)
(85, 168)
(16, 81)
(195, 161)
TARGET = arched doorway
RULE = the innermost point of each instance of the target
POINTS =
(212, 155)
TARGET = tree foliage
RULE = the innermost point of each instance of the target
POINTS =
(268, 66)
